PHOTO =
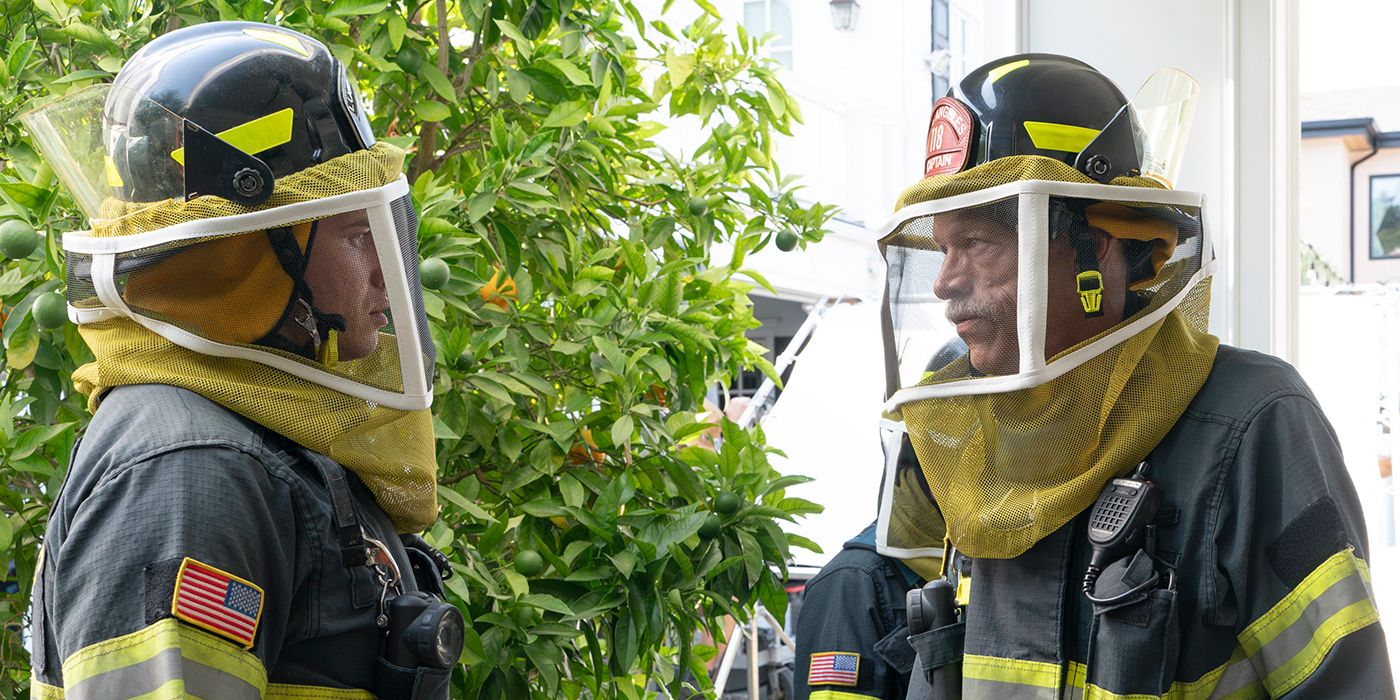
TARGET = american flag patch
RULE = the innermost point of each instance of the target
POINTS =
(217, 601)
(834, 668)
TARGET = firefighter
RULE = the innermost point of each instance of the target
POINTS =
(1131, 508)
(236, 522)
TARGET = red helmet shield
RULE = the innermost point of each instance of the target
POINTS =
(949, 137)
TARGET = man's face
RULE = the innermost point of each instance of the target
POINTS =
(345, 279)
(978, 279)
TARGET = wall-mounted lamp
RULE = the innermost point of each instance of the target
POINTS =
(844, 14)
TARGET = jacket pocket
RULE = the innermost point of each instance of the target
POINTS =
(1134, 644)
(940, 648)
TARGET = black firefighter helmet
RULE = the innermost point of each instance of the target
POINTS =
(1035, 104)
(225, 108)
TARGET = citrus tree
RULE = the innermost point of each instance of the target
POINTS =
(578, 311)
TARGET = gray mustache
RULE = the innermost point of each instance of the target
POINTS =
(968, 306)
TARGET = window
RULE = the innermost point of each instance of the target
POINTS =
(940, 43)
(964, 45)
(764, 16)
(1385, 216)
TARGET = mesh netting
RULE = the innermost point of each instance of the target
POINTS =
(391, 450)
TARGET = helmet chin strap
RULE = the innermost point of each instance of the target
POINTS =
(1069, 217)
(301, 308)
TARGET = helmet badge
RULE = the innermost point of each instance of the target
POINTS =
(949, 144)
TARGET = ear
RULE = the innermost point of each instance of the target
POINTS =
(1103, 244)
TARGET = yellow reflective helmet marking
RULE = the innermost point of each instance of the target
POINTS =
(253, 137)
(997, 73)
(1060, 137)
(279, 38)
(114, 178)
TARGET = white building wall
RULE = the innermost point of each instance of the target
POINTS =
(1324, 168)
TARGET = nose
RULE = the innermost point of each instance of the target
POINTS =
(376, 275)
(951, 282)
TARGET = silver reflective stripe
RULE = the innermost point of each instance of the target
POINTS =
(1240, 674)
(1298, 636)
(977, 689)
(149, 675)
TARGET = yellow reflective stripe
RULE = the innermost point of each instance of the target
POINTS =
(992, 668)
(997, 73)
(317, 692)
(279, 38)
(173, 690)
(1207, 686)
(838, 695)
(253, 137)
(1060, 137)
(43, 691)
(142, 645)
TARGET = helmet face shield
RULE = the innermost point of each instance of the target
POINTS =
(326, 290)
(94, 136)
(1002, 289)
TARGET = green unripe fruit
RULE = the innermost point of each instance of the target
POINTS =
(465, 359)
(727, 503)
(434, 273)
(528, 562)
(17, 239)
(712, 526)
(50, 310)
(697, 206)
(523, 615)
(786, 241)
(410, 59)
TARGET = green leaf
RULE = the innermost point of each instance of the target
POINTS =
(566, 115)
(518, 85)
(79, 76)
(446, 493)
(431, 111)
(439, 82)
(24, 195)
(34, 438)
(708, 8)
(544, 601)
(492, 389)
(22, 346)
(395, 27)
(442, 432)
(679, 67)
(622, 430)
(523, 45)
(482, 203)
(800, 541)
(86, 34)
(348, 8)
(7, 533)
(597, 273)
(575, 74)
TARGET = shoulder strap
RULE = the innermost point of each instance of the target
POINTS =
(347, 524)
